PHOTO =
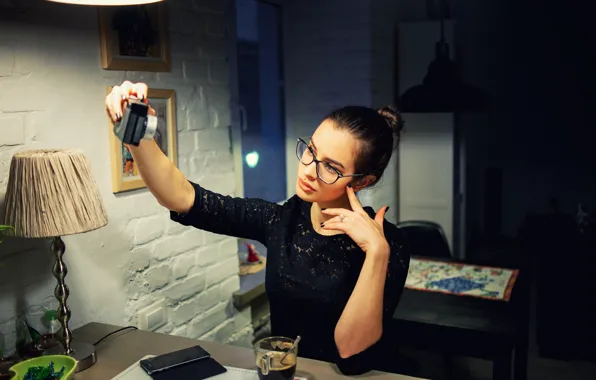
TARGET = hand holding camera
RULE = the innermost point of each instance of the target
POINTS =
(133, 117)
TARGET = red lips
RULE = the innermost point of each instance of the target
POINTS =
(305, 186)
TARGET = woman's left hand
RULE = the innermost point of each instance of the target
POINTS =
(365, 231)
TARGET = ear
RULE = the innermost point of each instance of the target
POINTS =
(362, 183)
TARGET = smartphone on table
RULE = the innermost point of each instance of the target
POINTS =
(195, 360)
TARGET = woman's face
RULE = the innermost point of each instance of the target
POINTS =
(338, 150)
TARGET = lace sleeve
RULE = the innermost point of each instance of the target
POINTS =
(225, 215)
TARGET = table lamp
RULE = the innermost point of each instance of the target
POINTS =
(51, 193)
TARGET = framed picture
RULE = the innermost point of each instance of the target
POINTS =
(125, 174)
(134, 38)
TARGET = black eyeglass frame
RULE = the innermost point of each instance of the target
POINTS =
(314, 159)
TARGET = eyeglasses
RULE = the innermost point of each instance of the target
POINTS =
(325, 171)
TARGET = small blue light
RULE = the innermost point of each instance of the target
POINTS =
(252, 159)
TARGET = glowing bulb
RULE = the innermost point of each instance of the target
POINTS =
(252, 159)
(106, 2)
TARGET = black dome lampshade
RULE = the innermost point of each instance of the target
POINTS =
(442, 89)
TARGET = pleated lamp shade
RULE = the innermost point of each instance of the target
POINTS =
(52, 193)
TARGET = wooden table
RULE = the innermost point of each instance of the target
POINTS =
(123, 349)
(469, 326)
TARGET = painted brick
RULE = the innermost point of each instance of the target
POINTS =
(212, 6)
(183, 164)
(242, 338)
(158, 277)
(219, 116)
(141, 76)
(183, 47)
(183, 264)
(171, 246)
(187, 23)
(139, 260)
(208, 138)
(184, 312)
(208, 298)
(207, 255)
(196, 70)
(219, 71)
(137, 288)
(165, 329)
(187, 143)
(214, 162)
(219, 183)
(217, 25)
(211, 239)
(220, 333)
(228, 287)
(180, 331)
(208, 320)
(243, 318)
(212, 47)
(197, 115)
(185, 289)
(12, 129)
(147, 229)
(7, 61)
(160, 258)
(175, 228)
(222, 270)
(228, 248)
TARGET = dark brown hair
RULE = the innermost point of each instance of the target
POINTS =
(378, 132)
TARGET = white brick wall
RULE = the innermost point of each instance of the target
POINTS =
(327, 65)
(338, 53)
(383, 81)
(51, 95)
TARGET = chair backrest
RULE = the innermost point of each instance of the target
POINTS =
(426, 238)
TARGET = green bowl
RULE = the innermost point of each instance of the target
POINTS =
(69, 363)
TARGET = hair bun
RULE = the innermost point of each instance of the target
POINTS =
(393, 118)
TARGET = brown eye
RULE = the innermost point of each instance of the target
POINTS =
(330, 169)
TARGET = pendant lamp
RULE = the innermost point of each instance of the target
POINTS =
(106, 2)
(442, 89)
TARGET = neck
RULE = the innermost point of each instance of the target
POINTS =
(319, 217)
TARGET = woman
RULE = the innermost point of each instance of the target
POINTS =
(129, 164)
(335, 270)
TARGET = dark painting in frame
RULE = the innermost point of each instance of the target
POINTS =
(134, 38)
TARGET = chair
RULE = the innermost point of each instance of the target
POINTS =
(427, 239)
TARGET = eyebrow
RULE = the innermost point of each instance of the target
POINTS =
(327, 159)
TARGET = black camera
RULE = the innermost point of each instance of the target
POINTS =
(136, 123)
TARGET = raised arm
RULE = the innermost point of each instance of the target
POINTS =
(169, 186)
(189, 203)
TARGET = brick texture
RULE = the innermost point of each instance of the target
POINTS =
(327, 64)
(337, 54)
(51, 95)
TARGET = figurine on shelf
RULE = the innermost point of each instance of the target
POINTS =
(253, 256)
(253, 262)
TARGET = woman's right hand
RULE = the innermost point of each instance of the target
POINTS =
(119, 96)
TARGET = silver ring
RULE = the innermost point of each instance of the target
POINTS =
(341, 217)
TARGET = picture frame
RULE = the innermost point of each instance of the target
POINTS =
(125, 176)
(134, 38)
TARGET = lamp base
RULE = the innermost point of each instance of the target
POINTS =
(84, 354)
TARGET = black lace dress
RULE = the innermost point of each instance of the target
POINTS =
(309, 276)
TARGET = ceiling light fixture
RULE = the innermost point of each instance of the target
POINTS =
(106, 2)
(442, 89)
